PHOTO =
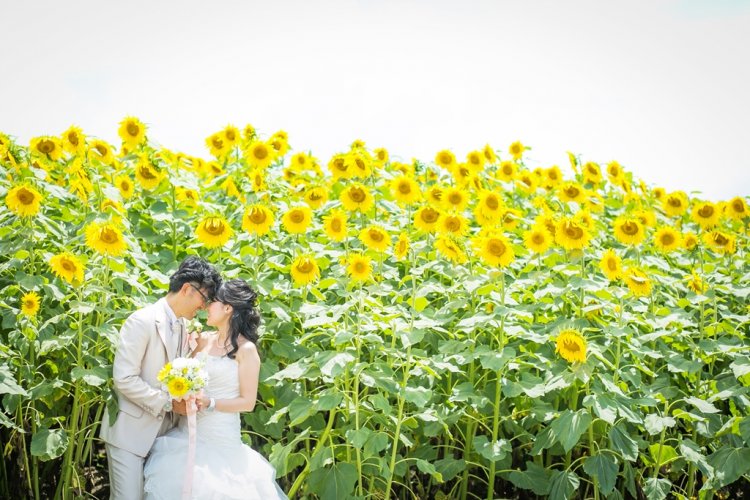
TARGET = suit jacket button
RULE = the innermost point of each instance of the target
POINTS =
(160, 417)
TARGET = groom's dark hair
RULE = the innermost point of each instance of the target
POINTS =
(196, 270)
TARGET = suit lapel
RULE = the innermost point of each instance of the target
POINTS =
(161, 329)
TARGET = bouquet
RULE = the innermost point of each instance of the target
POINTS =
(184, 377)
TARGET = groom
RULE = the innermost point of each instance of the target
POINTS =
(149, 338)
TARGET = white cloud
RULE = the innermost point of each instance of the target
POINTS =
(658, 86)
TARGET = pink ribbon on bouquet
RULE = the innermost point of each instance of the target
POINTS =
(187, 485)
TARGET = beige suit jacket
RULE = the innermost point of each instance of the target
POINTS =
(142, 351)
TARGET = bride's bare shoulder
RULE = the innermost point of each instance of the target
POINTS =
(247, 349)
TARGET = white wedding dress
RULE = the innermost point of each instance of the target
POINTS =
(225, 467)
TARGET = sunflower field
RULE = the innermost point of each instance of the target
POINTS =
(454, 328)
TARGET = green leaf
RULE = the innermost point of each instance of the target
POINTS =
(656, 488)
(569, 427)
(333, 482)
(420, 303)
(492, 451)
(497, 360)
(534, 478)
(377, 442)
(563, 485)
(703, 406)
(664, 453)
(604, 469)
(49, 443)
(417, 395)
(621, 442)
(729, 464)
(299, 409)
(92, 376)
(693, 454)
(8, 383)
(281, 455)
(358, 437)
(740, 366)
(654, 423)
(428, 468)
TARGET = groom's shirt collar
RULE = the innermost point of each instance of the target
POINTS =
(170, 313)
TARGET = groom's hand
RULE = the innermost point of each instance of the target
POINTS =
(179, 407)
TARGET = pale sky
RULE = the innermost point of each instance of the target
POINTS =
(662, 86)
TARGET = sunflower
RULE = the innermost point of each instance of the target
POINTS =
(381, 157)
(450, 250)
(475, 160)
(257, 180)
(516, 150)
(213, 231)
(510, 217)
(146, 173)
(279, 141)
(571, 191)
(445, 159)
(112, 205)
(667, 239)
(358, 164)
(455, 199)
(434, 196)
(125, 186)
(24, 200)
(296, 220)
(426, 219)
(305, 270)
(629, 230)
(405, 190)
(258, 219)
(401, 248)
(188, 197)
(489, 154)
(507, 171)
(375, 238)
(552, 177)
(615, 173)
(105, 238)
(455, 224)
(638, 281)
(315, 197)
(696, 283)
(231, 136)
(571, 345)
(334, 225)
(736, 208)
(178, 387)
(356, 197)
(720, 241)
(67, 266)
(705, 214)
(591, 173)
(659, 193)
(300, 162)
(339, 168)
(47, 146)
(101, 151)
(573, 161)
(611, 265)
(689, 240)
(584, 217)
(260, 154)
(30, 304)
(359, 267)
(490, 207)
(527, 182)
(230, 188)
(132, 132)
(571, 235)
(164, 372)
(217, 145)
(494, 250)
(537, 239)
(646, 217)
(675, 203)
(73, 140)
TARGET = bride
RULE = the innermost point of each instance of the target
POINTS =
(225, 467)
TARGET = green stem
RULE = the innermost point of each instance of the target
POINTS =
(321, 442)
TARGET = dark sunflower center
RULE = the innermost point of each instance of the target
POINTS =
(667, 239)
(404, 187)
(537, 238)
(305, 266)
(46, 146)
(336, 225)
(261, 152)
(630, 228)
(133, 129)
(496, 247)
(25, 196)
(492, 202)
(706, 211)
(572, 191)
(573, 232)
(297, 216)
(68, 265)
(430, 216)
(214, 226)
(108, 236)
(357, 194)
(376, 235)
(257, 216)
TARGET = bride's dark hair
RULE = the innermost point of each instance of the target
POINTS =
(245, 317)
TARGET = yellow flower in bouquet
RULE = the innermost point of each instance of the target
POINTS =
(184, 377)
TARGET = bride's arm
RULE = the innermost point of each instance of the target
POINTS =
(249, 371)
